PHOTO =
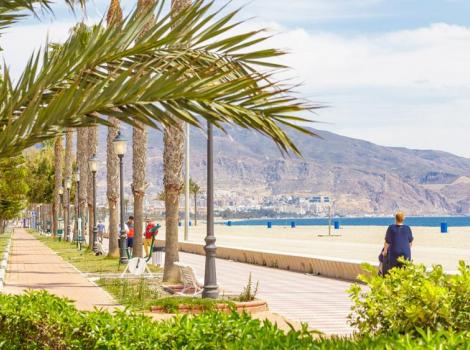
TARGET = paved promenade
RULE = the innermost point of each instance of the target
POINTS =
(32, 265)
(321, 302)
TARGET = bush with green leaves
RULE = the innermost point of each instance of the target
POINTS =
(411, 298)
(38, 320)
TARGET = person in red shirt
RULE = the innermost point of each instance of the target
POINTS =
(149, 233)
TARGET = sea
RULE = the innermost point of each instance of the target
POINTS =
(423, 221)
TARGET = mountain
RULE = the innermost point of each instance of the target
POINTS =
(362, 177)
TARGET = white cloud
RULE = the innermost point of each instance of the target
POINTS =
(436, 56)
(404, 88)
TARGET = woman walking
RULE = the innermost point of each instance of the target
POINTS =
(398, 241)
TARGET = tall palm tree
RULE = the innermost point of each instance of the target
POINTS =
(194, 188)
(91, 149)
(173, 155)
(114, 17)
(68, 173)
(59, 165)
(139, 160)
(82, 162)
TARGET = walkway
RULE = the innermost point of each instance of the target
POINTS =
(33, 265)
(321, 302)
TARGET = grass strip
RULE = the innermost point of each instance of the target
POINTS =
(84, 260)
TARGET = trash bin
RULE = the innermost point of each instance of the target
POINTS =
(157, 255)
(270, 224)
(444, 227)
(292, 224)
(229, 223)
(336, 225)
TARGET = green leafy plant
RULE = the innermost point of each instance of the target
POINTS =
(38, 320)
(249, 293)
(411, 298)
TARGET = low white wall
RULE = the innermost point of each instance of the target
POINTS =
(321, 266)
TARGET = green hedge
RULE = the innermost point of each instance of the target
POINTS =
(38, 320)
(411, 298)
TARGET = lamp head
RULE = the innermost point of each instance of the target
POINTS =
(93, 163)
(68, 183)
(120, 144)
(61, 190)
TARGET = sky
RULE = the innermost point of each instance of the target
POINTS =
(393, 72)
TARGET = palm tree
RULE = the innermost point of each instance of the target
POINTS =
(194, 188)
(91, 149)
(59, 165)
(112, 163)
(139, 161)
(68, 173)
(173, 153)
(82, 162)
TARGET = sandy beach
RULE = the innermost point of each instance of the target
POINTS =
(354, 242)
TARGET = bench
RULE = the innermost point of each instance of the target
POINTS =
(191, 283)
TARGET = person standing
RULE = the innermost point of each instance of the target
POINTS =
(398, 241)
(130, 232)
(148, 235)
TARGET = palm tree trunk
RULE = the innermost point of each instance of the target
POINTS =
(139, 150)
(58, 165)
(114, 16)
(92, 145)
(82, 159)
(112, 188)
(173, 154)
(139, 163)
(68, 174)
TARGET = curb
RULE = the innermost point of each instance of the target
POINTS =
(4, 264)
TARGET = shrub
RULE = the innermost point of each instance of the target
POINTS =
(411, 298)
(38, 320)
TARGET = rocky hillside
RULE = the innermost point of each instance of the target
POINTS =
(362, 177)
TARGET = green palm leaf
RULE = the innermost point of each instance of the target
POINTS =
(189, 66)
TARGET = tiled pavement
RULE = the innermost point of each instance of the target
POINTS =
(321, 302)
(32, 265)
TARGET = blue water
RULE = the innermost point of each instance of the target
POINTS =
(452, 221)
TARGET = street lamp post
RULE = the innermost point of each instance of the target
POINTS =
(93, 164)
(211, 290)
(60, 218)
(68, 186)
(78, 221)
(120, 147)
(186, 186)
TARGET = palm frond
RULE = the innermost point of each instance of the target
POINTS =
(187, 65)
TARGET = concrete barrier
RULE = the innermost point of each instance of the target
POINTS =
(321, 266)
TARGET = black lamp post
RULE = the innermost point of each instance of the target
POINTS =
(76, 176)
(68, 186)
(93, 164)
(120, 147)
(211, 290)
